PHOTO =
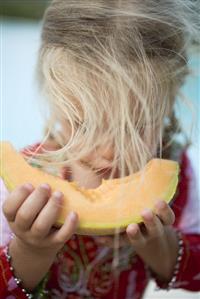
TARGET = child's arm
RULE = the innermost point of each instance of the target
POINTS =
(174, 261)
(156, 242)
(30, 265)
(31, 215)
(185, 273)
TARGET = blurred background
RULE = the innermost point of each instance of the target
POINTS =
(21, 109)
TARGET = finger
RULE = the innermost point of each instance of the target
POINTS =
(66, 231)
(32, 206)
(152, 223)
(164, 212)
(48, 215)
(135, 235)
(15, 199)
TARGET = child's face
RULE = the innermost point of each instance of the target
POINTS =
(83, 171)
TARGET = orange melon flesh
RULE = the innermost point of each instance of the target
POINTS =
(114, 204)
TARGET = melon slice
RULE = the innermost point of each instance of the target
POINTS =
(114, 204)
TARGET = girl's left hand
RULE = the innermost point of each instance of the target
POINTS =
(140, 235)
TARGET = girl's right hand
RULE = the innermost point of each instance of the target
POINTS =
(32, 212)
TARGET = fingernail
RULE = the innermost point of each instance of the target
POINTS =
(133, 229)
(29, 186)
(58, 194)
(147, 214)
(72, 216)
(160, 204)
(45, 186)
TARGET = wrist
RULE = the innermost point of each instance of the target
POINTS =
(173, 249)
(169, 251)
(36, 263)
(17, 245)
(162, 264)
(10, 277)
(175, 276)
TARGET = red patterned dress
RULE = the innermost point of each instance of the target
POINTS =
(84, 269)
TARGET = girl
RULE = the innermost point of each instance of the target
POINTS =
(110, 71)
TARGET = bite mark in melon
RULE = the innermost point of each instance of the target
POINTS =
(114, 204)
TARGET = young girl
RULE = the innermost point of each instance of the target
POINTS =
(110, 71)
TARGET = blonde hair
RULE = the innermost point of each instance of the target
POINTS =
(110, 72)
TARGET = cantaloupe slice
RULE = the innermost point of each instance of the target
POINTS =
(114, 204)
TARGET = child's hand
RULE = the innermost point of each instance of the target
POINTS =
(157, 244)
(151, 228)
(154, 240)
(31, 214)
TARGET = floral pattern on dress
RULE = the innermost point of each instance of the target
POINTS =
(90, 276)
